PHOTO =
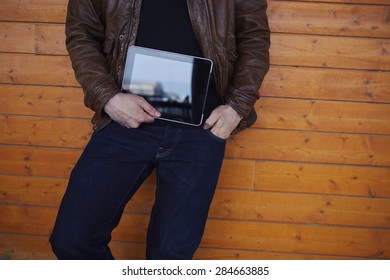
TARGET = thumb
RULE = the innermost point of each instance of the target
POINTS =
(149, 109)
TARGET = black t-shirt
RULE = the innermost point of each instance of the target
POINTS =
(165, 25)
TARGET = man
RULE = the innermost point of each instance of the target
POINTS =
(128, 142)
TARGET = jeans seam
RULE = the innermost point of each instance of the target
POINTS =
(170, 148)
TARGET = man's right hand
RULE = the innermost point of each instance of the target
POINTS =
(130, 110)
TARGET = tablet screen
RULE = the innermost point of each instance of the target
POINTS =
(175, 84)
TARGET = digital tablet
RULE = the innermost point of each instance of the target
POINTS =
(175, 84)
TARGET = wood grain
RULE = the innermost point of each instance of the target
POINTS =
(29, 161)
(330, 52)
(371, 2)
(310, 147)
(16, 37)
(36, 70)
(43, 101)
(327, 84)
(298, 238)
(48, 132)
(329, 19)
(322, 179)
(361, 118)
(33, 10)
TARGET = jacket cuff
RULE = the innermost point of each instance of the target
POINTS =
(242, 106)
(98, 95)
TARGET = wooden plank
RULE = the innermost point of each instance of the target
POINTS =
(330, 52)
(33, 10)
(299, 208)
(297, 238)
(50, 39)
(329, 19)
(43, 101)
(17, 37)
(234, 235)
(236, 174)
(36, 220)
(327, 84)
(217, 254)
(288, 208)
(18, 247)
(32, 190)
(45, 132)
(323, 116)
(310, 147)
(29, 247)
(36, 70)
(322, 179)
(29, 161)
(373, 2)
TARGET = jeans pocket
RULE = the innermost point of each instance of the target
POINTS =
(212, 135)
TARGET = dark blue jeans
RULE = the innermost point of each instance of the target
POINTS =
(112, 167)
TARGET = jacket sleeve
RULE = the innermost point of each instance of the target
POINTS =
(253, 42)
(85, 32)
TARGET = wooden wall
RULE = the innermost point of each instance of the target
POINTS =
(311, 180)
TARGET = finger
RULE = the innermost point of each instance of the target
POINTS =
(142, 116)
(149, 109)
(147, 118)
(220, 130)
(212, 119)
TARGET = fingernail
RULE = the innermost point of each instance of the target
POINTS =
(157, 114)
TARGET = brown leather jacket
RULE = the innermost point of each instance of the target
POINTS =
(232, 33)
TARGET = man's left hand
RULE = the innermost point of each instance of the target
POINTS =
(222, 121)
